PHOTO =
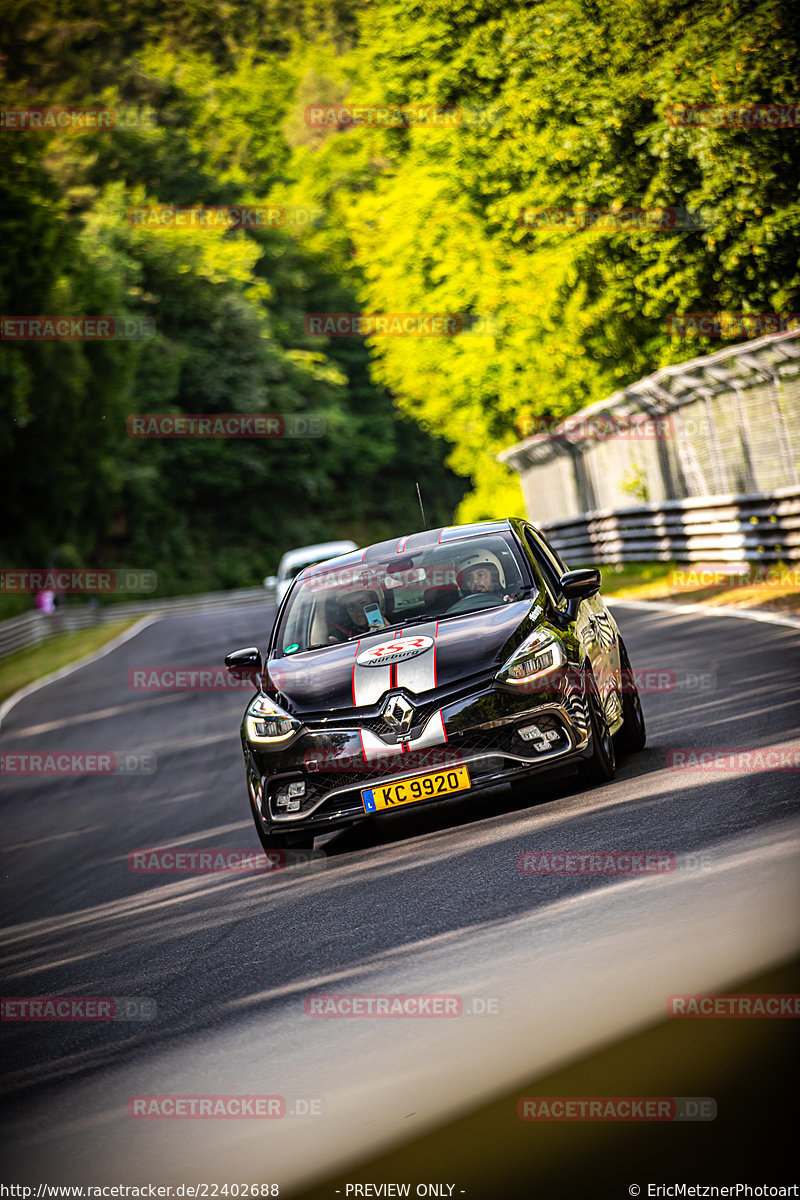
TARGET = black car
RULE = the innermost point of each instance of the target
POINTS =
(428, 666)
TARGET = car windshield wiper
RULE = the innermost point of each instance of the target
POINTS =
(420, 619)
(520, 594)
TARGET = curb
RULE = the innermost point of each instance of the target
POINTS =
(741, 614)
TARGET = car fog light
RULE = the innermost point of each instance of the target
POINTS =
(297, 789)
(542, 740)
(271, 729)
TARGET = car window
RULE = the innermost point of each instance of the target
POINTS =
(553, 555)
(550, 569)
(340, 603)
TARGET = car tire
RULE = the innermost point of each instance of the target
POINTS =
(278, 841)
(284, 841)
(602, 765)
(633, 734)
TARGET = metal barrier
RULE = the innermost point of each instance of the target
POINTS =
(760, 528)
(34, 627)
(726, 425)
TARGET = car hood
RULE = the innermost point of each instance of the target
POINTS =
(425, 656)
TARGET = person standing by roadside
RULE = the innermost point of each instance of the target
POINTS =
(45, 601)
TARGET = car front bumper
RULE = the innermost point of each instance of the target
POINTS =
(336, 757)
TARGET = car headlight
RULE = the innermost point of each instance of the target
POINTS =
(267, 724)
(538, 655)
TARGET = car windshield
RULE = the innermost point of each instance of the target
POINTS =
(343, 603)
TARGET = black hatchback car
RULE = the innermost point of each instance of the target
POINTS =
(427, 667)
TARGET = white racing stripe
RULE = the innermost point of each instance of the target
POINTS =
(374, 749)
(419, 674)
(369, 684)
(416, 674)
(432, 735)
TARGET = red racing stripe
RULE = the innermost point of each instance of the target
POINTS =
(353, 680)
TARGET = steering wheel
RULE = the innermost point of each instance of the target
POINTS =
(474, 602)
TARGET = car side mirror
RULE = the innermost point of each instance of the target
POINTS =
(245, 664)
(580, 585)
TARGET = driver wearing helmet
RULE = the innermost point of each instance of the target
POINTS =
(483, 576)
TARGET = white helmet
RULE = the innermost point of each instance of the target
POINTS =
(480, 557)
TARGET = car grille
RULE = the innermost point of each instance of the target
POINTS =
(358, 718)
(378, 724)
(487, 751)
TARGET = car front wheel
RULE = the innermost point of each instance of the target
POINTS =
(602, 765)
(633, 734)
(284, 841)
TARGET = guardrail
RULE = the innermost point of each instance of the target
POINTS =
(731, 530)
(31, 628)
(721, 424)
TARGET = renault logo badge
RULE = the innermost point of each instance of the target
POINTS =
(398, 713)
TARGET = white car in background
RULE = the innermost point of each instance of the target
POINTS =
(294, 561)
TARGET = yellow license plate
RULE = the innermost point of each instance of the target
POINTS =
(420, 787)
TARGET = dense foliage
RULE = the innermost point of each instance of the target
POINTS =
(558, 104)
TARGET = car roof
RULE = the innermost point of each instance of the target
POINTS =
(309, 553)
(419, 541)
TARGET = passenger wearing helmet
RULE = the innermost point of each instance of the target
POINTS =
(351, 618)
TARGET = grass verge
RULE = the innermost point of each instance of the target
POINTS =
(23, 667)
(775, 589)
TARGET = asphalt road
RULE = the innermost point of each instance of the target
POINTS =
(424, 902)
